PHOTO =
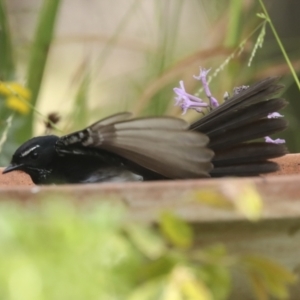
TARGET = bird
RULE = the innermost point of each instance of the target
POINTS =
(227, 141)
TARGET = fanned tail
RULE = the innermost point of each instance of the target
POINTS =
(235, 126)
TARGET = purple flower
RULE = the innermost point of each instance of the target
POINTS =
(202, 76)
(274, 115)
(186, 100)
(277, 141)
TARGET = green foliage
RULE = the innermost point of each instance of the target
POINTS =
(38, 57)
(176, 231)
(22, 127)
(267, 277)
(58, 250)
(7, 71)
(266, 16)
(7, 66)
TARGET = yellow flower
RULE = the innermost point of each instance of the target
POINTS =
(16, 96)
(16, 104)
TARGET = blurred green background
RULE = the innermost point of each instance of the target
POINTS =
(87, 59)
(53, 249)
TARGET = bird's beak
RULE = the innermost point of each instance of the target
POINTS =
(12, 167)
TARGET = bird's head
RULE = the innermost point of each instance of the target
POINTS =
(34, 157)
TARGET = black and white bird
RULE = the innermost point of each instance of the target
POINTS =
(225, 142)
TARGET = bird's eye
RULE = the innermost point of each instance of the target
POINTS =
(34, 155)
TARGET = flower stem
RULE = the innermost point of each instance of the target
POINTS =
(280, 43)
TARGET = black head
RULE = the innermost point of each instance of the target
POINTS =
(34, 157)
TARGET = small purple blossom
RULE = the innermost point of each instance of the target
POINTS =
(274, 115)
(277, 141)
(202, 76)
(186, 100)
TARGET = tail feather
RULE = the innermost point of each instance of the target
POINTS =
(246, 116)
(246, 133)
(235, 126)
(253, 169)
(248, 153)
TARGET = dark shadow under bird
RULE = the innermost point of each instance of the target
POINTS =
(225, 142)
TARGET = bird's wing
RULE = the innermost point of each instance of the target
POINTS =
(161, 144)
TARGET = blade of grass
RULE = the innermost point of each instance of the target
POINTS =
(285, 55)
(5, 131)
(103, 56)
(38, 57)
(234, 26)
(168, 16)
(7, 73)
(80, 113)
(7, 67)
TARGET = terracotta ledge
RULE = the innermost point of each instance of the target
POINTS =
(290, 164)
(280, 194)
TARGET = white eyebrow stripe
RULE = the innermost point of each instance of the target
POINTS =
(29, 150)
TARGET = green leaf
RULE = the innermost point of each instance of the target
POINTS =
(176, 230)
(212, 198)
(215, 270)
(150, 290)
(158, 267)
(146, 240)
(183, 284)
(217, 279)
(267, 276)
(244, 198)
